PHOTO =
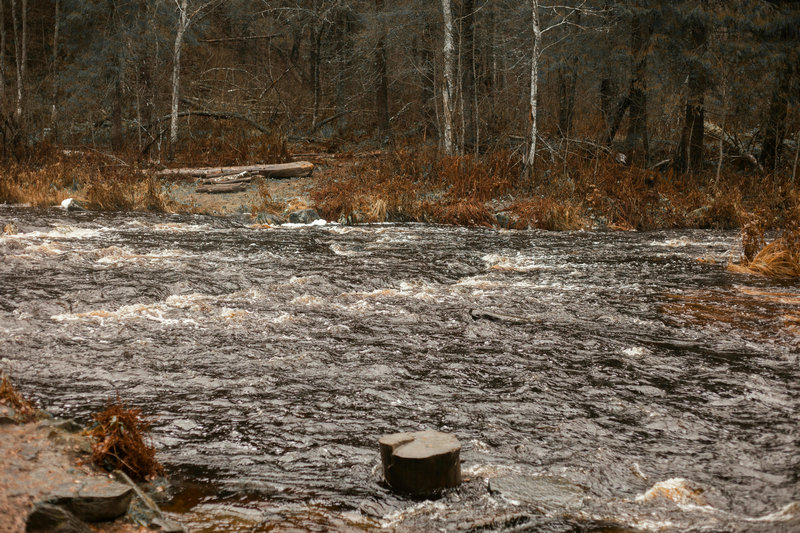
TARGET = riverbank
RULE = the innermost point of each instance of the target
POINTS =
(50, 482)
(417, 184)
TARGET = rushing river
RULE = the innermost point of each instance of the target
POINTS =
(638, 384)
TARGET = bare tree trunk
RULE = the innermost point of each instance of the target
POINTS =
(468, 74)
(534, 94)
(637, 144)
(690, 149)
(20, 51)
(183, 23)
(796, 156)
(773, 136)
(427, 82)
(449, 78)
(382, 90)
(316, 80)
(342, 28)
(689, 157)
(722, 130)
(2, 53)
(54, 68)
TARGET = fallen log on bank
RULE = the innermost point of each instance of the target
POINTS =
(297, 169)
(223, 188)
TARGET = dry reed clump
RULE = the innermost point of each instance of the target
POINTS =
(416, 186)
(547, 214)
(779, 259)
(119, 442)
(86, 176)
(124, 190)
(24, 409)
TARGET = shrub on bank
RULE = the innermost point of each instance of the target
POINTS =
(119, 442)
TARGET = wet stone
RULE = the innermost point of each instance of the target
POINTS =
(69, 425)
(304, 216)
(7, 415)
(94, 499)
(269, 219)
(421, 463)
(542, 492)
(47, 518)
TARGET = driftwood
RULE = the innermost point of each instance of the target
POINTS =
(226, 179)
(296, 169)
(481, 314)
(222, 188)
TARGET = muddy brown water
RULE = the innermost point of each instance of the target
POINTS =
(644, 387)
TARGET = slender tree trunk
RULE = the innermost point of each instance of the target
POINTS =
(2, 53)
(690, 150)
(689, 157)
(636, 143)
(316, 80)
(449, 78)
(796, 156)
(54, 68)
(427, 82)
(534, 94)
(468, 74)
(776, 119)
(343, 55)
(722, 130)
(183, 23)
(382, 89)
(20, 51)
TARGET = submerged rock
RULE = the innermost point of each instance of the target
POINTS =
(304, 216)
(543, 492)
(269, 219)
(421, 463)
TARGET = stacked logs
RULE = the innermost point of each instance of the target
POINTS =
(215, 180)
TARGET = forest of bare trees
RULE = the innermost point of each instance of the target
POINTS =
(692, 82)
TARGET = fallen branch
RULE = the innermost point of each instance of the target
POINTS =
(222, 188)
(296, 169)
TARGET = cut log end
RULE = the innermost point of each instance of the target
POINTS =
(421, 463)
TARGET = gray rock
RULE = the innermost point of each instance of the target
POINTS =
(7, 415)
(166, 526)
(64, 424)
(49, 518)
(421, 463)
(269, 218)
(94, 499)
(304, 216)
(503, 220)
(543, 492)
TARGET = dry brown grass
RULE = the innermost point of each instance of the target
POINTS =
(779, 259)
(119, 442)
(99, 182)
(24, 409)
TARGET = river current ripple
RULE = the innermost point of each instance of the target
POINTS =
(660, 389)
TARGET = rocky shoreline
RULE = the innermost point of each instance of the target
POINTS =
(51, 485)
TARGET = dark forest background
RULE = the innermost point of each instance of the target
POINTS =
(652, 80)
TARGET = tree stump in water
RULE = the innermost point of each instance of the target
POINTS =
(421, 463)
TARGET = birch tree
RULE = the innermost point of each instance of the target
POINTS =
(185, 18)
(20, 50)
(562, 16)
(448, 88)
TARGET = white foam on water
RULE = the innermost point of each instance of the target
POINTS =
(172, 311)
(515, 263)
(786, 513)
(635, 351)
(395, 518)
